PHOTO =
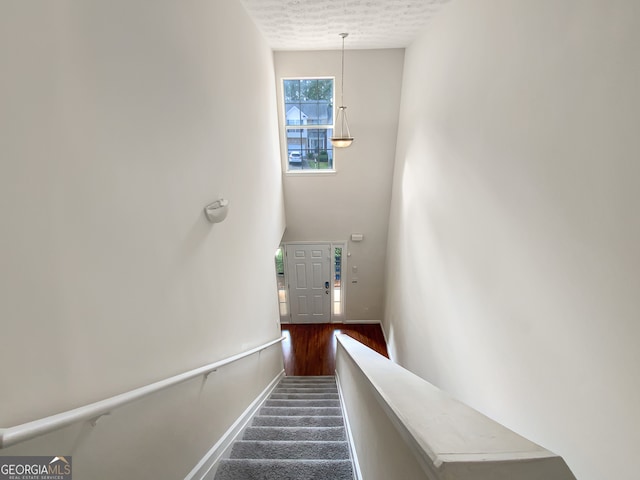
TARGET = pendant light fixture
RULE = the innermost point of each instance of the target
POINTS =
(344, 139)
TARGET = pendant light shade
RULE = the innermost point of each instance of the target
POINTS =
(344, 138)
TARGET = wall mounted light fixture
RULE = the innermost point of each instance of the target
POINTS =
(344, 139)
(217, 211)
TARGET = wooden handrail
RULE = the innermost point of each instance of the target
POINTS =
(26, 431)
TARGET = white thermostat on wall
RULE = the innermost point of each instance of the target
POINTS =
(357, 237)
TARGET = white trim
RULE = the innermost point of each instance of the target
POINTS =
(302, 173)
(310, 242)
(386, 342)
(352, 447)
(93, 411)
(384, 333)
(208, 464)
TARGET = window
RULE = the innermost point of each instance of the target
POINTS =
(308, 119)
(337, 282)
(282, 289)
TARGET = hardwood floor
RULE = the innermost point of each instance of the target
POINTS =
(311, 349)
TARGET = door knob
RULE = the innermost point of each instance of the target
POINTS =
(326, 284)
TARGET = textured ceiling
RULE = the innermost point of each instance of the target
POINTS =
(315, 24)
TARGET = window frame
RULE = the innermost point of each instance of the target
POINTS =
(286, 128)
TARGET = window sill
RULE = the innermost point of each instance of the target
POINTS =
(310, 173)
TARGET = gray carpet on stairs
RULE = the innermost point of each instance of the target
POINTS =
(298, 434)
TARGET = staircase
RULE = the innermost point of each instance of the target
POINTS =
(298, 434)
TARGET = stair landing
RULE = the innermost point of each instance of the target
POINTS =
(310, 349)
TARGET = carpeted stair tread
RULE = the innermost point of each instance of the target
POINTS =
(249, 469)
(276, 402)
(327, 379)
(291, 449)
(323, 383)
(305, 390)
(317, 434)
(304, 396)
(297, 421)
(298, 434)
(308, 384)
(304, 411)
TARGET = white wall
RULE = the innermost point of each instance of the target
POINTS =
(119, 122)
(356, 199)
(513, 253)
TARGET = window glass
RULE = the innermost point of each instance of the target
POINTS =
(337, 281)
(308, 112)
(282, 289)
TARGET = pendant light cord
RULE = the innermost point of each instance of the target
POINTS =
(342, 78)
(343, 35)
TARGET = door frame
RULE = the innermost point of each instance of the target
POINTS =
(343, 284)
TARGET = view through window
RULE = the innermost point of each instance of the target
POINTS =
(337, 281)
(282, 288)
(308, 114)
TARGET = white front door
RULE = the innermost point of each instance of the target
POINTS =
(309, 275)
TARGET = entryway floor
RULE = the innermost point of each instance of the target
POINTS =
(310, 349)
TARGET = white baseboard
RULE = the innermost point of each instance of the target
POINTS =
(210, 461)
(386, 341)
(384, 333)
(357, 474)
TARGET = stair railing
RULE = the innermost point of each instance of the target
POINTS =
(93, 411)
(401, 426)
